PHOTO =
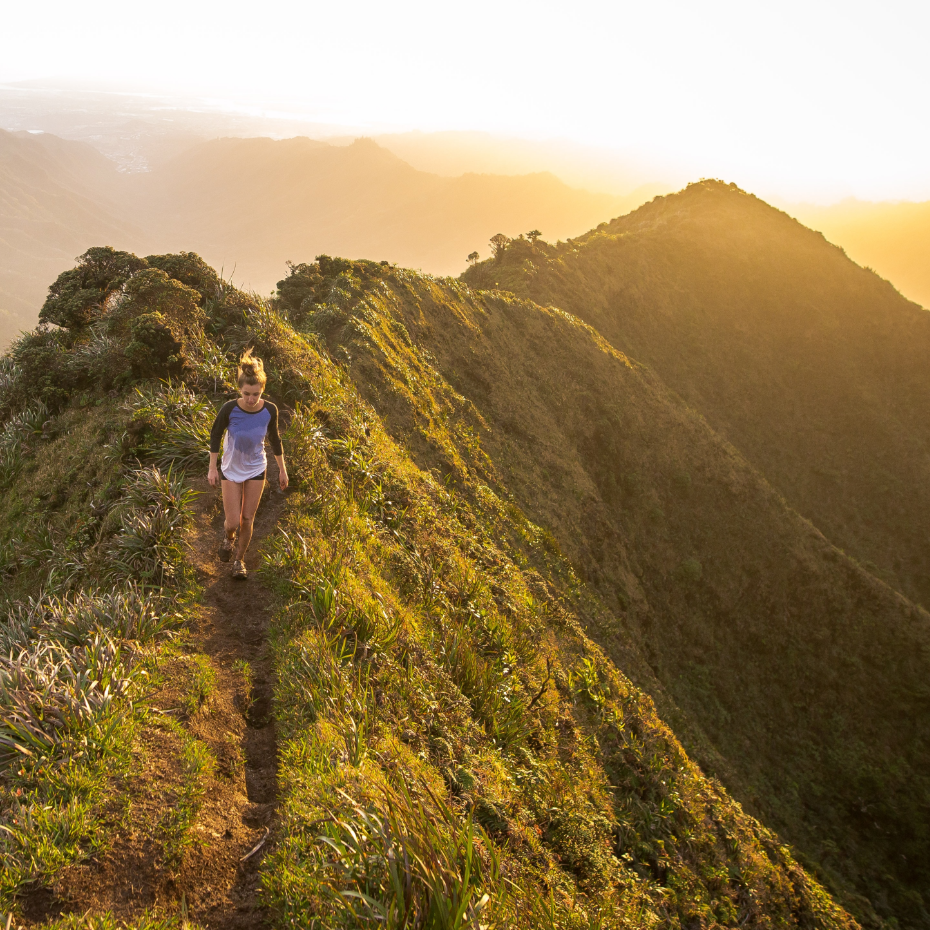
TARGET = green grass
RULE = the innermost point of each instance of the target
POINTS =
(147, 920)
(201, 686)
(177, 825)
(85, 620)
(584, 795)
(453, 750)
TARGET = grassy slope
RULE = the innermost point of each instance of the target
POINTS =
(84, 639)
(795, 675)
(813, 368)
(421, 734)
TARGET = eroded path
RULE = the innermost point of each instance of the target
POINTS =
(212, 882)
(232, 630)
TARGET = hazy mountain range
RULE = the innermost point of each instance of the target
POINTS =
(248, 205)
(56, 198)
(166, 185)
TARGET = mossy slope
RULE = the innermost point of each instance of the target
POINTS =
(792, 673)
(455, 749)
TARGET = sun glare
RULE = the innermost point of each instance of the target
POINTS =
(814, 100)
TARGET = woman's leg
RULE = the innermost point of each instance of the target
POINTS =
(232, 506)
(251, 495)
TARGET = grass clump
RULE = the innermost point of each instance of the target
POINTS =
(396, 860)
(169, 425)
(149, 544)
(197, 766)
(147, 920)
(201, 687)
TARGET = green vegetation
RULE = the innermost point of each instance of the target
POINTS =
(202, 684)
(197, 766)
(814, 368)
(95, 580)
(420, 772)
(149, 920)
(509, 559)
(781, 663)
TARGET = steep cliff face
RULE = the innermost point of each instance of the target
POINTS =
(814, 368)
(792, 673)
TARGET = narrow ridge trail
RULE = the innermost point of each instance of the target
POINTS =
(221, 890)
(214, 884)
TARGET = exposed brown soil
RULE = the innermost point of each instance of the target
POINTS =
(213, 884)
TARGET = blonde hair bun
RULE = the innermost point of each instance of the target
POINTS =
(251, 370)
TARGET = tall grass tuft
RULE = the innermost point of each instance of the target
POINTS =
(150, 544)
(53, 699)
(20, 428)
(174, 424)
(400, 860)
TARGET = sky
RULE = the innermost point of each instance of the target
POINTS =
(808, 100)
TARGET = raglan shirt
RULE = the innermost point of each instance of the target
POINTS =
(244, 449)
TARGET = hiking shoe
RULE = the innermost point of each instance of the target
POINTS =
(239, 569)
(226, 548)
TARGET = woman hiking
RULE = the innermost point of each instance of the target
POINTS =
(246, 422)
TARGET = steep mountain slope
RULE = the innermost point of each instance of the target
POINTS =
(249, 202)
(891, 238)
(794, 675)
(56, 199)
(453, 750)
(815, 369)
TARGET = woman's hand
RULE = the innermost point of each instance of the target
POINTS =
(283, 480)
(212, 476)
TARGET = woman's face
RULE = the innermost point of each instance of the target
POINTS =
(250, 394)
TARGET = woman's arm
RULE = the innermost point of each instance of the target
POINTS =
(220, 425)
(283, 480)
(274, 440)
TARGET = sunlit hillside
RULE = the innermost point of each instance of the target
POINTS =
(892, 238)
(793, 674)
(814, 368)
(417, 711)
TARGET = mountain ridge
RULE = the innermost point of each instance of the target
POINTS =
(811, 366)
(444, 723)
(729, 608)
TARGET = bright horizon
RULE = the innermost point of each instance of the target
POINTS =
(804, 101)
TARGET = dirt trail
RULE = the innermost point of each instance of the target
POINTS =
(221, 891)
(213, 884)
